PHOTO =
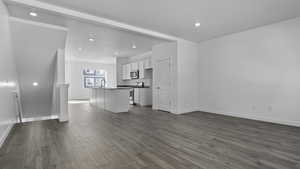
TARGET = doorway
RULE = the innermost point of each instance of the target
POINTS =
(163, 85)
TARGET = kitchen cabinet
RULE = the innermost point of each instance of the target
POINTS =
(141, 70)
(129, 69)
(143, 96)
(124, 72)
(126, 69)
(136, 94)
(134, 66)
(147, 64)
(111, 99)
(140, 66)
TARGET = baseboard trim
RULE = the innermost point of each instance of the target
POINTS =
(185, 111)
(5, 134)
(31, 119)
(257, 118)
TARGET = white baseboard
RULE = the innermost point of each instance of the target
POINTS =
(52, 117)
(186, 110)
(255, 117)
(5, 134)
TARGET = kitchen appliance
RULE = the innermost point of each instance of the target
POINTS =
(134, 74)
(131, 96)
(140, 84)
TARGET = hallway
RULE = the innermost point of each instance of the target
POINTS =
(147, 139)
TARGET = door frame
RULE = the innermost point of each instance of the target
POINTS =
(155, 90)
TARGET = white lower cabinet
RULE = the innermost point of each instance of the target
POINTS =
(136, 94)
(143, 96)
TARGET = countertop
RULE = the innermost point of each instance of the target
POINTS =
(133, 86)
(114, 88)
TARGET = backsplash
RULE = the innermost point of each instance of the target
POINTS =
(147, 80)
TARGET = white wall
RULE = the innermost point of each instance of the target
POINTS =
(59, 86)
(75, 78)
(7, 73)
(253, 74)
(187, 76)
(160, 52)
(34, 46)
(184, 70)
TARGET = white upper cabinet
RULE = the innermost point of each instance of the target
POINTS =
(147, 64)
(126, 69)
(134, 66)
(141, 70)
(140, 66)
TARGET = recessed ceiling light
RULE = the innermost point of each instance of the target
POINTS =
(133, 46)
(33, 14)
(197, 24)
(91, 39)
(79, 49)
(35, 83)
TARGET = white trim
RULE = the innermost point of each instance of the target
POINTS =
(89, 61)
(5, 134)
(85, 16)
(52, 117)
(254, 117)
(38, 23)
(186, 110)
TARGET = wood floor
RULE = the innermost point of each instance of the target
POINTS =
(146, 139)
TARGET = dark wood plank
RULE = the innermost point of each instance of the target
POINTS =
(147, 139)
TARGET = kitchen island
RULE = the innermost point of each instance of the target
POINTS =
(115, 100)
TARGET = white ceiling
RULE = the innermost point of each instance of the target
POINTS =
(22, 11)
(108, 40)
(177, 17)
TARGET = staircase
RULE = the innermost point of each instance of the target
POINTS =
(40, 63)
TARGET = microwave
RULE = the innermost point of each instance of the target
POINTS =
(134, 74)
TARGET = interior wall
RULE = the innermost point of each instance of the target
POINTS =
(253, 74)
(187, 76)
(34, 47)
(7, 74)
(75, 78)
(160, 52)
(184, 69)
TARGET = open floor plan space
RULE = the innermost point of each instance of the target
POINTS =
(149, 84)
(147, 139)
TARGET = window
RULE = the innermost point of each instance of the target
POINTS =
(94, 78)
